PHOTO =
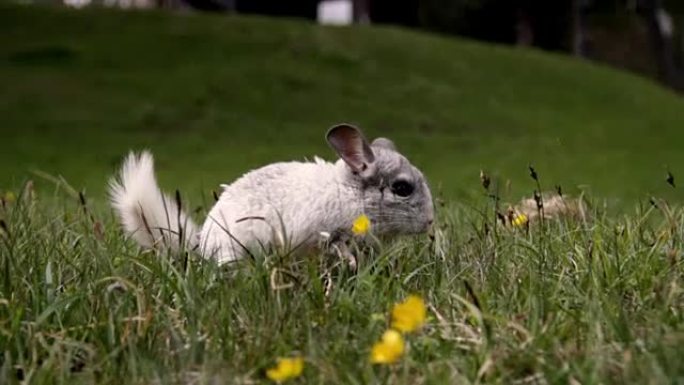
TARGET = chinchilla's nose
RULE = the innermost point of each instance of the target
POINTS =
(430, 216)
(429, 219)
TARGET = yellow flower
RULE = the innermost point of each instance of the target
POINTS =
(388, 349)
(409, 315)
(287, 368)
(361, 225)
(10, 197)
(519, 220)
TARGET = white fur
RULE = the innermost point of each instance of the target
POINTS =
(288, 205)
(148, 215)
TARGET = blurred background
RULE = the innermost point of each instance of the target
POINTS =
(643, 36)
(587, 91)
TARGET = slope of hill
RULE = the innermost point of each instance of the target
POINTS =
(213, 96)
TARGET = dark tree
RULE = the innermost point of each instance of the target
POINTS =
(403, 12)
(361, 11)
(289, 8)
(661, 29)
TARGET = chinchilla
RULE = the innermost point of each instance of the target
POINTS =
(281, 203)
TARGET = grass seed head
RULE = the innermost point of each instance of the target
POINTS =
(533, 173)
(485, 180)
(670, 179)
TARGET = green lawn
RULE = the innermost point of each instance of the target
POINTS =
(592, 301)
(214, 96)
(573, 302)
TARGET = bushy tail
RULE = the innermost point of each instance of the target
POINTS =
(149, 216)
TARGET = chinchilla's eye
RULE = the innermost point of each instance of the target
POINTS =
(402, 188)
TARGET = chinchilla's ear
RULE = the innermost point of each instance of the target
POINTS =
(352, 147)
(384, 143)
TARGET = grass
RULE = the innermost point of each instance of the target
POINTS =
(214, 96)
(595, 301)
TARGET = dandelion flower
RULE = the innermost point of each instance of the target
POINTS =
(409, 315)
(10, 197)
(519, 220)
(389, 349)
(361, 225)
(287, 368)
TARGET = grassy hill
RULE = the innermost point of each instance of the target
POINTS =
(214, 96)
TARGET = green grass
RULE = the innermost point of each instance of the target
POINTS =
(592, 302)
(214, 96)
(573, 302)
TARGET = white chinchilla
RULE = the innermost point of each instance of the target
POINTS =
(291, 202)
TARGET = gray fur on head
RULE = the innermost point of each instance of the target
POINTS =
(394, 193)
(384, 143)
